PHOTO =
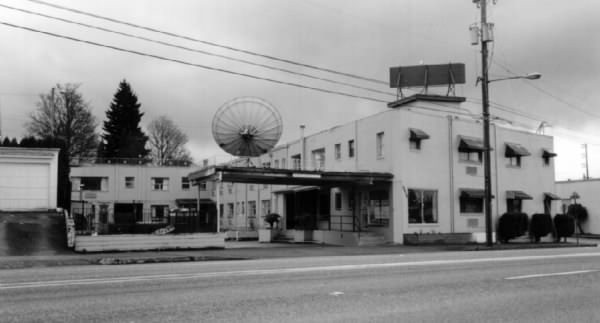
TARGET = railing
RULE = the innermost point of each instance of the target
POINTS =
(128, 161)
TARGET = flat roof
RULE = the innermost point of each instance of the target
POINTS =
(276, 176)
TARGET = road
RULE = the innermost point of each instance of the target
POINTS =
(544, 285)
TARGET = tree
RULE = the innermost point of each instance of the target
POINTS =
(63, 117)
(167, 141)
(123, 137)
(579, 213)
(63, 120)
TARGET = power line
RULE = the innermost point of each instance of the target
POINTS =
(324, 69)
(196, 50)
(191, 64)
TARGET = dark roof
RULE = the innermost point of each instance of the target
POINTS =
(418, 134)
(548, 154)
(469, 144)
(551, 196)
(515, 150)
(518, 195)
(278, 176)
(472, 193)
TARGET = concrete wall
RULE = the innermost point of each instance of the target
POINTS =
(588, 191)
(128, 242)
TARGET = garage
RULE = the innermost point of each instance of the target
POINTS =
(28, 178)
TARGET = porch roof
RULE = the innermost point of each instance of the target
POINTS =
(277, 176)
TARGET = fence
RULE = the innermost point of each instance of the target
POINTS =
(87, 222)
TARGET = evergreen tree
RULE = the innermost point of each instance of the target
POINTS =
(123, 137)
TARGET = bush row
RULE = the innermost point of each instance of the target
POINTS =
(513, 225)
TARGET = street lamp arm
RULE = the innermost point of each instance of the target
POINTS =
(530, 76)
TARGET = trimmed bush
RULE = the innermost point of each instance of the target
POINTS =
(540, 226)
(565, 226)
(272, 218)
(578, 212)
(512, 225)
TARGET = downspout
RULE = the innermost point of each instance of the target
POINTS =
(451, 172)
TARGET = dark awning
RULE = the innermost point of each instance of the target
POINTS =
(468, 144)
(550, 196)
(518, 195)
(287, 176)
(548, 154)
(192, 201)
(515, 150)
(418, 134)
(472, 193)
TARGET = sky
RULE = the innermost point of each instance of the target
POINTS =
(555, 38)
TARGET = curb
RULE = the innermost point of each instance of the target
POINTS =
(133, 261)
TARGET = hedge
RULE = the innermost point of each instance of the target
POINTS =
(512, 225)
(565, 226)
(540, 226)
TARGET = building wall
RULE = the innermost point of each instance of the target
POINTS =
(588, 193)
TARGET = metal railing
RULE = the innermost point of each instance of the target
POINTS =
(128, 161)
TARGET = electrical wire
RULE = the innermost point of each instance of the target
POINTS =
(191, 64)
(197, 50)
(248, 52)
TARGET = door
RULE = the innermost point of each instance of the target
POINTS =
(24, 186)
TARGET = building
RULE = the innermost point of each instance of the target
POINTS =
(133, 191)
(586, 192)
(411, 170)
(28, 178)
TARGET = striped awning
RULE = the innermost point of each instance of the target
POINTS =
(469, 144)
(418, 134)
(515, 150)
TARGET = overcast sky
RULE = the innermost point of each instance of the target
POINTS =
(555, 37)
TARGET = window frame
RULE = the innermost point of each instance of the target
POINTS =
(351, 148)
(163, 186)
(337, 201)
(185, 181)
(422, 218)
(129, 182)
(379, 145)
(478, 201)
(337, 151)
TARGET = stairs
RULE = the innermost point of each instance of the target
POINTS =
(368, 238)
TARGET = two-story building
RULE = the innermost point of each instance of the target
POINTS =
(126, 191)
(424, 161)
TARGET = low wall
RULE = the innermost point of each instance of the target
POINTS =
(241, 235)
(138, 242)
(440, 238)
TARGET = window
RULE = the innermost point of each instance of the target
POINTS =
(350, 148)
(250, 187)
(159, 212)
(230, 210)
(379, 144)
(514, 161)
(185, 183)
(265, 186)
(297, 162)
(338, 151)
(266, 165)
(422, 206)
(265, 207)
(514, 205)
(251, 209)
(379, 208)
(338, 200)
(160, 183)
(471, 201)
(471, 156)
(202, 186)
(130, 182)
(318, 158)
(92, 183)
(416, 135)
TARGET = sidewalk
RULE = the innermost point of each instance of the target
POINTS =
(250, 250)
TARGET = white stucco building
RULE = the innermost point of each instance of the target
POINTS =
(28, 178)
(425, 168)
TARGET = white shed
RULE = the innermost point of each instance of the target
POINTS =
(28, 178)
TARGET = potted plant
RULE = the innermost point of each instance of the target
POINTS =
(267, 234)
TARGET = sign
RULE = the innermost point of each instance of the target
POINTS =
(427, 75)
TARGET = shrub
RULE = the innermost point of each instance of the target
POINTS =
(578, 212)
(512, 225)
(565, 226)
(272, 218)
(541, 225)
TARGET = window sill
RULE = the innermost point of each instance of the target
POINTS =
(471, 214)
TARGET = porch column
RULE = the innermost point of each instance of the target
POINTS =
(217, 193)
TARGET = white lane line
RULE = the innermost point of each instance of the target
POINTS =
(127, 279)
(566, 273)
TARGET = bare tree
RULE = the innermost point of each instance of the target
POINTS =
(62, 115)
(167, 141)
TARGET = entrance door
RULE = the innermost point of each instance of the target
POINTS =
(290, 210)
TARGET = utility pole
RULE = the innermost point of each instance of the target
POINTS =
(586, 165)
(485, 37)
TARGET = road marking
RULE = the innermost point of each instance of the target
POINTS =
(566, 273)
(241, 273)
(336, 293)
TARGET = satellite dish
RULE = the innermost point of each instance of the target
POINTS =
(247, 127)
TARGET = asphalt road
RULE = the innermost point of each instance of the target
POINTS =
(549, 285)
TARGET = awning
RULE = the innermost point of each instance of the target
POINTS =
(418, 134)
(548, 154)
(472, 193)
(550, 196)
(515, 150)
(277, 176)
(518, 195)
(468, 144)
(192, 201)
(296, 189)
